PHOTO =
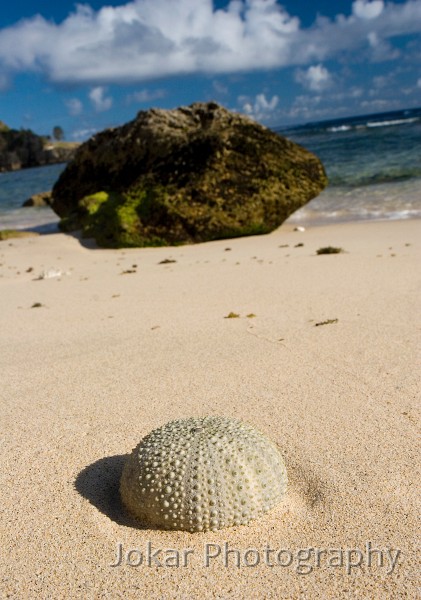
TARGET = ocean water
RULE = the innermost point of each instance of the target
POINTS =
(18, 186)
(373, 163)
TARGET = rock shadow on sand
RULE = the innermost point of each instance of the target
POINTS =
(99, 483)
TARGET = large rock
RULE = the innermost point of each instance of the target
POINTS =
(188, 175)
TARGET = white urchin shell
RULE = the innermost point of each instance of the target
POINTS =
(205, 473)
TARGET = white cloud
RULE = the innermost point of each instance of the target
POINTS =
(266, 105)
(308, 107)
(150, 38)
(419, 83)
(381, 50)
(363, 9)
(4, 82)
(98, 99)
(82, 134)
(355, 92)
(378, 104)
(316, 78)
(146, 39)
(313, 106)
(220, 88)
(260, 107)
(144, 96)
(74, 106)
(331, 39)
(381, 81)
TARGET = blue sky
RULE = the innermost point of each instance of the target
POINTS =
(89, 66)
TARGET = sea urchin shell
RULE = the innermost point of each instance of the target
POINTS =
(204, 473)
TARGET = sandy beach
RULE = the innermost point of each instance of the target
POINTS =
(99, 347)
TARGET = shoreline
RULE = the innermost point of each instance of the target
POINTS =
(393, 201)
(49, 228)
(101, 346)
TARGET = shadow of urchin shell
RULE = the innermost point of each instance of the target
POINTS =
(204, 473)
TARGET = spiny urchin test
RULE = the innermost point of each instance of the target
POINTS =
(204, 473)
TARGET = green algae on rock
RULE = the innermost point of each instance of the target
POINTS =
(182, 176)
(201, 474)
(8, 234)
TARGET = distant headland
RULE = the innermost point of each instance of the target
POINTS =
(21, 149)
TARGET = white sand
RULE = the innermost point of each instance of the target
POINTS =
(110, 356)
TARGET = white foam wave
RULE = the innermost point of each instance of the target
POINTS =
(391, 123)
(340, 128)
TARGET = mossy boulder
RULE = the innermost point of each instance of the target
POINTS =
(188, 175)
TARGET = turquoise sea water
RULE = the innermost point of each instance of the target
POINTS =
(18, 186)
(373, 163)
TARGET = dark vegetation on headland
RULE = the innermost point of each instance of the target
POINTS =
(21, 149)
